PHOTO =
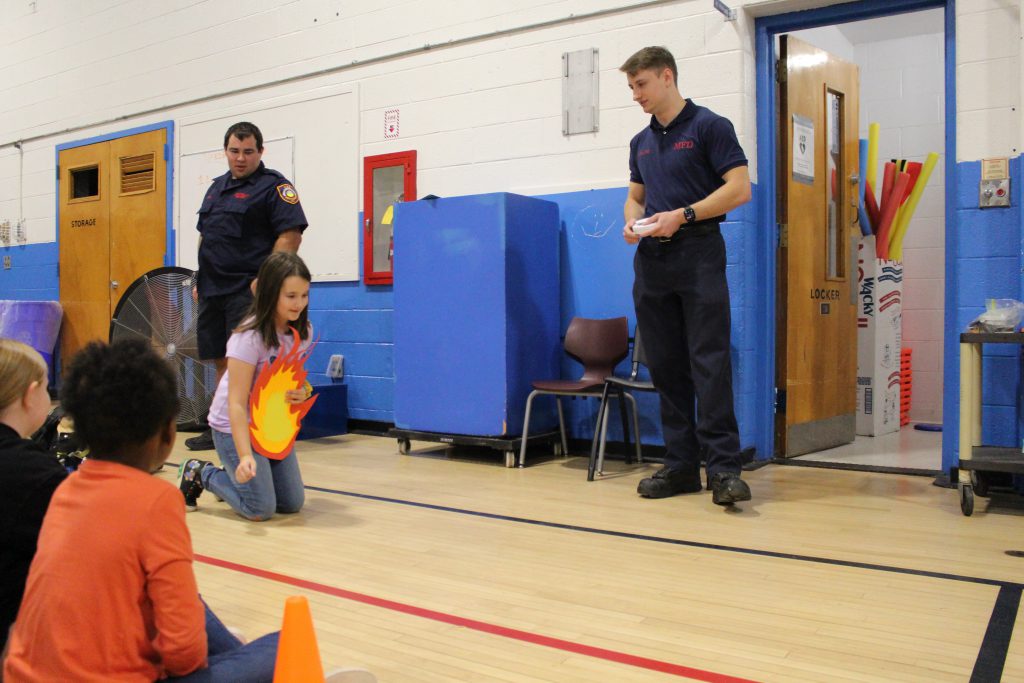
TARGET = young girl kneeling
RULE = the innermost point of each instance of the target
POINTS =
(255, 486)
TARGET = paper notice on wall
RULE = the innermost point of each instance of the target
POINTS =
(390, 124)
(803, 150)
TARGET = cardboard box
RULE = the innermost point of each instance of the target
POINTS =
(879, 339)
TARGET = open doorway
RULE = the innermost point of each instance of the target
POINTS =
(902, 77)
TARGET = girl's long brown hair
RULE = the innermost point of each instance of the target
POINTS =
(278, 267)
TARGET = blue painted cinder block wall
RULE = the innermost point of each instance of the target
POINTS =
(987, 259)
(33, 272)
(597, 279)
(356, 321)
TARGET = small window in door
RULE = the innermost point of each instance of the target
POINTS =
(834, 239)
(85, 182)
(388, 179)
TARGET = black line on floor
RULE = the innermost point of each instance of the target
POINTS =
(677, 541)
(988, 667)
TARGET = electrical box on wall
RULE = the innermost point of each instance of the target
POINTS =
(336, 367)
(994, 193)
(994, 189)
(579, 91)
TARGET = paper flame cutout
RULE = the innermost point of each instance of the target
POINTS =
(273, 422)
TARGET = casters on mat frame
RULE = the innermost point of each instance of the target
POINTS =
(966, 499)
(403, 446)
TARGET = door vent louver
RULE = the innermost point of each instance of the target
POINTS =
(137, 173)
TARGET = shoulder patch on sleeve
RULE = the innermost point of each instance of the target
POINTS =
(287, 193)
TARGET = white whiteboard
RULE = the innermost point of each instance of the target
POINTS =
(314, 142)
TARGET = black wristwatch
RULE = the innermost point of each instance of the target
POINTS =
(689, 214)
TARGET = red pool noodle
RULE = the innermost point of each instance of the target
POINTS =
(871, 206)
(882, 243)
(888, 178)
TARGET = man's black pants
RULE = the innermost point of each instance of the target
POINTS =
(682, 306)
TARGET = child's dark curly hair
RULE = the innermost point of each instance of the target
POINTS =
(118, 395)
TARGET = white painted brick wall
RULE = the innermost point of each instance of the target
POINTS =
(484, 115)
(988, 46)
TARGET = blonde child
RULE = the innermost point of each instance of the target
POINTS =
(29, 475)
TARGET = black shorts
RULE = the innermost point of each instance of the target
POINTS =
(218, 317)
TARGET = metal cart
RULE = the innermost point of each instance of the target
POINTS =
(509, 444)
(981, 462)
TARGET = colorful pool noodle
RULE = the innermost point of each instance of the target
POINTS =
(873, 133)
(871, 206)
(886, 196)
(914, 169)
(900, 230)
(862, 214)
(889, 213)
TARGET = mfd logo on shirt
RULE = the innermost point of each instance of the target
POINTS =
(683, 144)
(288, 193)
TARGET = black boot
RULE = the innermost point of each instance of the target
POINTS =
(203, 442)
(666, 482)
(727, 488)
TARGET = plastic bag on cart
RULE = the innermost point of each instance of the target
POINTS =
(1001, 315)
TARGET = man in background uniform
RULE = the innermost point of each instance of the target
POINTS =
(247, 213)
(686, 170)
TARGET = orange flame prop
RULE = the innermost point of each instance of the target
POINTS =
(273, 422)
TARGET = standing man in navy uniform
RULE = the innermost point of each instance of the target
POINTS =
(686, 170)
(247, 213)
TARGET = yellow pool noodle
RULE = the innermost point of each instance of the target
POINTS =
(907, 211)
(874, 131)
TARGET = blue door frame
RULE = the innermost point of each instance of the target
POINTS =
(766, 28)
(169, 255)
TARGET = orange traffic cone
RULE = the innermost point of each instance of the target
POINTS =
(298, 657)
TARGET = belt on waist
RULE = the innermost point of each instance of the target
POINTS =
(693, 230)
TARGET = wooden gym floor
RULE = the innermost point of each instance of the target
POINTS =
(443, 565)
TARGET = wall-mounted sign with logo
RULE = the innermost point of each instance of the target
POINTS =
(390, 124)
(803, 150)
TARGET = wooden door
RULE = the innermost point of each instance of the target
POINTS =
(112, 226)
(816, 328)
(138, 215)
(84, 239)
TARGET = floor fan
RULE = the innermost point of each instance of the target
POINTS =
(159, 308)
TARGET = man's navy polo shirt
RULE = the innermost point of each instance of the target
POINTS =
(239, 221)
(683, 162)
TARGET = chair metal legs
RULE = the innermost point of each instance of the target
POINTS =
(597, 446)
(561, 426)
(636, 431)
(526, 425)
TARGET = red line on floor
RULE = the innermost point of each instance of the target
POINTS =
(482, 626)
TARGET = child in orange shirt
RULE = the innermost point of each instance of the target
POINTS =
(110, 594)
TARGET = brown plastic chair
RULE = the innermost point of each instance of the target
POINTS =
(598, 345)
(620, 386)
